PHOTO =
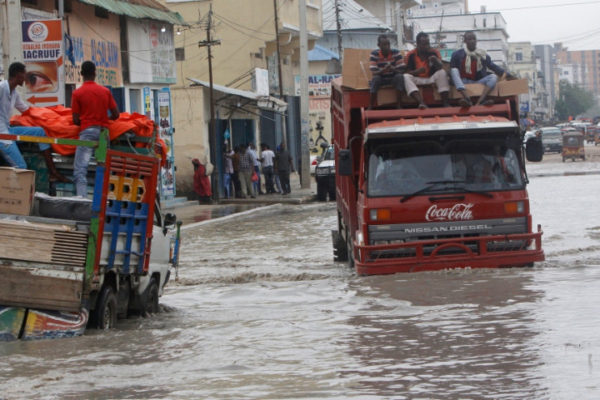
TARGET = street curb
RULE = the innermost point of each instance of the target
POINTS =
(566, 173)
(231, 216)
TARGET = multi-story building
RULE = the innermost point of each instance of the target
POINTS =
(447, 21)
(243, 46)
(585, 65)
(546, 56)
(523, 62)
(130, 43)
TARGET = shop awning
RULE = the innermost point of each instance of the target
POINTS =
(139, 10)
(264, 102)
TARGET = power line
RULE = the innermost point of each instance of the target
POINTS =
(547, 6)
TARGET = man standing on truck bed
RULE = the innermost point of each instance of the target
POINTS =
(470, 65)
(90, 105)
(424, 66)
(10, 98)
(386, 66)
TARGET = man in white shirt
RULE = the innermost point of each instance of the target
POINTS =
(9, 99)
(267, 157)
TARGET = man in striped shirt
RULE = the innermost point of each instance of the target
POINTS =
(387, 67)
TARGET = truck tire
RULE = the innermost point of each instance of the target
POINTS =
(106, 309)
(350, 250)
(340, 252)
(151, 302)
(321, 191)
(332, 193)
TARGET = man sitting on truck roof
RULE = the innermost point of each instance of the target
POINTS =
(470, 65)
(386, 66)
(424, 66)
(10, 98)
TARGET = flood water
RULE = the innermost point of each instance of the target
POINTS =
(260, 311)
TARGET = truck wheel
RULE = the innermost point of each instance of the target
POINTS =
(321, 191)
(340, 252)
(151, 303)
(350, 250)
(332, 193)
(106, 309)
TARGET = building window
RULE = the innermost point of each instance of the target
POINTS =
(101, 12)
(180, 54)
(518, 56)
(135, 101)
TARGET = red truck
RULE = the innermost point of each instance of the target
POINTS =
(431, 189)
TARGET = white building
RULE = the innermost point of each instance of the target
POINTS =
(447, 21)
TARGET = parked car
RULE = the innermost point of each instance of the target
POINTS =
(552, 139)
(325, 175)
(314, 160)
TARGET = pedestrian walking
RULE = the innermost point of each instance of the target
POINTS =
(284, 167)
(267, 158)
(235, 160)
(246, 170)
(256, 183)
(202, 170)
(228, 172)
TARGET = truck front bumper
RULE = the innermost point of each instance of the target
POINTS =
(497, 251)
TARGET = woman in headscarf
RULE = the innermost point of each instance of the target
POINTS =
(202, 170)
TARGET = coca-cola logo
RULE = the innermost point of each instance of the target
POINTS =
(458, 212)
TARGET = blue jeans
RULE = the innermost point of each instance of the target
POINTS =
(10, 151)
(488, 80)
(82, 160)
(227, 184)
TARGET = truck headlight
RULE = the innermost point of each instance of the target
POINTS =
(514, 207)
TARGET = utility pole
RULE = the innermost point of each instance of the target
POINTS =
(305, 156)
(212, 135)
(338, 27)
(283, 119)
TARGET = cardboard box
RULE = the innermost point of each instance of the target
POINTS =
(355, 70)
(17, 187)
(514, 87)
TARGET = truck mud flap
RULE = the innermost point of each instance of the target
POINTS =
(30, 324)
(47, 324)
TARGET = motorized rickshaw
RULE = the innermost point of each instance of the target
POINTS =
(573, 145)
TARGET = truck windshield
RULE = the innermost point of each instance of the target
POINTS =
(402, 169)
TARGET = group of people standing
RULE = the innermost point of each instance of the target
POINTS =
(423, 66)
(243, 168)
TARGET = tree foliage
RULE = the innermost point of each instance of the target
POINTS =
(572, 101)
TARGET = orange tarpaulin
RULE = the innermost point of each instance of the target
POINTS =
(57, 121)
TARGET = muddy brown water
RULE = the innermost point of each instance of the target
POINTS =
(261, 312)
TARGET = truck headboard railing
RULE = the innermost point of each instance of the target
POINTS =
(501, 109)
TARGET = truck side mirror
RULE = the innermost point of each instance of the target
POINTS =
(169, 221)
(534, 149)
(345, 162)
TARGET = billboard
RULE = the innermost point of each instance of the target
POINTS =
(43, 58)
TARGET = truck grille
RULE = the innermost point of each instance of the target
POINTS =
(433, 231)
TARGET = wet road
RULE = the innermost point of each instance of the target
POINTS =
(261, 311)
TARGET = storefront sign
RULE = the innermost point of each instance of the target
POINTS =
(43, 58)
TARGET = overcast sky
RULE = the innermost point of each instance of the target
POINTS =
(575, 23)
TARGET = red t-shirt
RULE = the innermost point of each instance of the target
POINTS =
(92, 102)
